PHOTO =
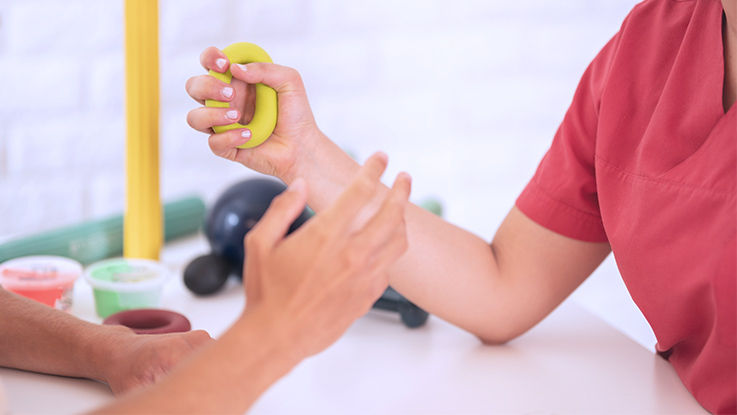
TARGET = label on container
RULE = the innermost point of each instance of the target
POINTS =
(124, 272)
(38, 271)
(46, 279)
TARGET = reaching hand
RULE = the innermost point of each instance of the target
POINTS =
(314, 283)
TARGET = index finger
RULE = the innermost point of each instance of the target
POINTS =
(360, 192)
(384, 225)
(214, 59)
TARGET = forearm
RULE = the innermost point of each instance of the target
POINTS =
(447, 270)
(41, 339)
(226, 377)
(494, 290)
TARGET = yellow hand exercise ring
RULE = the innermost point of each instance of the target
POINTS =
(264, 116)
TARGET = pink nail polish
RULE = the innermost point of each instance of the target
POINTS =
(244, 137)
(232, 114)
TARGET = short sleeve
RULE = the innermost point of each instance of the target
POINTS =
(562, 194)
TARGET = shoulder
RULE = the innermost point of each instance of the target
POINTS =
(650, 36)
(665, 9)
(654, 34)
(665, 19)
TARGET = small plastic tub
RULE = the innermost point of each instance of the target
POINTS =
(46, 279)
(124, 283)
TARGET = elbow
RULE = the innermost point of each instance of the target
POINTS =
(498, 336)
(494, 340)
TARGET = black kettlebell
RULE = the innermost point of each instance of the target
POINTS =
(412, 316)
(234, 213)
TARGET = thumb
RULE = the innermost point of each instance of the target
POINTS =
(284, 209)
(283, 79)
(196, 338)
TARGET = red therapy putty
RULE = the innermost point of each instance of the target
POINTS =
(150, 321)
(46, 279)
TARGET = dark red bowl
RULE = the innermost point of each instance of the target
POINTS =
(150, 321)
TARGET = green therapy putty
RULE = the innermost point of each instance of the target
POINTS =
(123, 272)
(125, 283)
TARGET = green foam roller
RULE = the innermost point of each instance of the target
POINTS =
(433, 205)
(91, 241)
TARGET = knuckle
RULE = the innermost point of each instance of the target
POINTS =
(395, 213)
(210, 53)
(252, 240)
(214, 116)
(354, 257)
(322, 235)
(280, 202)
(200, 336)
(403, 243)
(400, 244)
(397, 199)
(293, 75)
(192, 118)
(377, 287)
(364, 186)
(213, 142)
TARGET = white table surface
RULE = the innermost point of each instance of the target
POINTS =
(571, 363)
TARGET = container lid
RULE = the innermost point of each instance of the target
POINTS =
(40, 272)
(126, 274)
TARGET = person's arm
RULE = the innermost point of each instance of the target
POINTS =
(495, 291)
(38, 338)
(302, 292)
(226, 377)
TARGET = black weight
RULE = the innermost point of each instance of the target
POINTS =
(207, 274)
(236, 211)
(412, 316)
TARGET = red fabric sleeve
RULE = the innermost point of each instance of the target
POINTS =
(562, 194)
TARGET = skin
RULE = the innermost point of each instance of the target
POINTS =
(49, 341)
(729, 38)
(302, 292)
(498, 290)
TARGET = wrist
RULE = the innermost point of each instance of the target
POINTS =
(326, 168)
(103, 349)
(275, 335)
(305, 154)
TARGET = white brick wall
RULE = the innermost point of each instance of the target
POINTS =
(475, 88)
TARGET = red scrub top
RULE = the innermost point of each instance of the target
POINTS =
(646, 159)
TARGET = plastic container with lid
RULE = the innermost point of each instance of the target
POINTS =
(46, 279)
(124, 283)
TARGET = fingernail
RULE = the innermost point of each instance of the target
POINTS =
(243, 67)
(298, 185)
(232, 114)
(220, 62)
(227, 92)
(244, 137)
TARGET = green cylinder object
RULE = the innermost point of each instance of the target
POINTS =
(433, 205)
(92, 241)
